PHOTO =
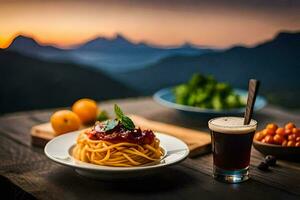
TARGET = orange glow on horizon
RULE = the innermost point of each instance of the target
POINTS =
(65, 23)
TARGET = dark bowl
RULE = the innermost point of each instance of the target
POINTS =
(286, 153)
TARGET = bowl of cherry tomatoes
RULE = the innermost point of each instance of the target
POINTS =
(282, 142)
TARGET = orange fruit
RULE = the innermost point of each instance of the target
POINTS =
(86, 109)
(64, 121)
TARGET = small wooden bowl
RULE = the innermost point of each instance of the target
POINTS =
(286, 153)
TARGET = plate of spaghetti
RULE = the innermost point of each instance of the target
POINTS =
(115, 149)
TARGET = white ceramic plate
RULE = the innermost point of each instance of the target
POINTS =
(59, 148)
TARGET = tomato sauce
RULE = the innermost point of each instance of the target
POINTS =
(120, 134)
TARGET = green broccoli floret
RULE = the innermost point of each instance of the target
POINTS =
(205, 92)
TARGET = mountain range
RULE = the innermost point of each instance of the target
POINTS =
(275, 62)
(111, 55)
(27, 83)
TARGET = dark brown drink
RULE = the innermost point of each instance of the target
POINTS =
(231, 151)
(231, 146)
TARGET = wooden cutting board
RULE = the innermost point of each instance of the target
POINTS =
(199, 142)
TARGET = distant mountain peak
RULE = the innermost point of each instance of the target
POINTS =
(287, 35)
(190, 45)
(116, 42)
(23, 37)
(24, 43)
(119, 36)
(22, 40)
(122, 40)
(187, 45)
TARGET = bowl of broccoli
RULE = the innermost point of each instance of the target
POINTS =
(205, 95)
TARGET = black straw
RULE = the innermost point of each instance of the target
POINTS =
(252, 92)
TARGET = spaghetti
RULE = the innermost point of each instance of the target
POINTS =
(117, 147)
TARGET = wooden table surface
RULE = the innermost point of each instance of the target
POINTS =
(25, 172)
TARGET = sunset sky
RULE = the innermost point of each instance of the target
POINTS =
(217, 23)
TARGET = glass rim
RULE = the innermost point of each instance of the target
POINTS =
(239, 126)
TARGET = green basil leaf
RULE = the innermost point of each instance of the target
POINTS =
(124, 120)
(119, 112)
(127, 123)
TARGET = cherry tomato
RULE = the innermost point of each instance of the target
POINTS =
(280, 131)
(298, 139)
(258, 136)
(284, 143)
(270, 131)
(296, 131)
(278, 139)
(269, 139)
(291, 143)
(292, 137)
(288, 131)
(272, 126)
(297, 144)
(290, 125)
(264, 132)
(263, 140)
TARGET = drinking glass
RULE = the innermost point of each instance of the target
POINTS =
(231, 147)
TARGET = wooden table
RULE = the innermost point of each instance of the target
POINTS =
(26, 172)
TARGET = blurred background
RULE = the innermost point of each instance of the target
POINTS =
(55, 52)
